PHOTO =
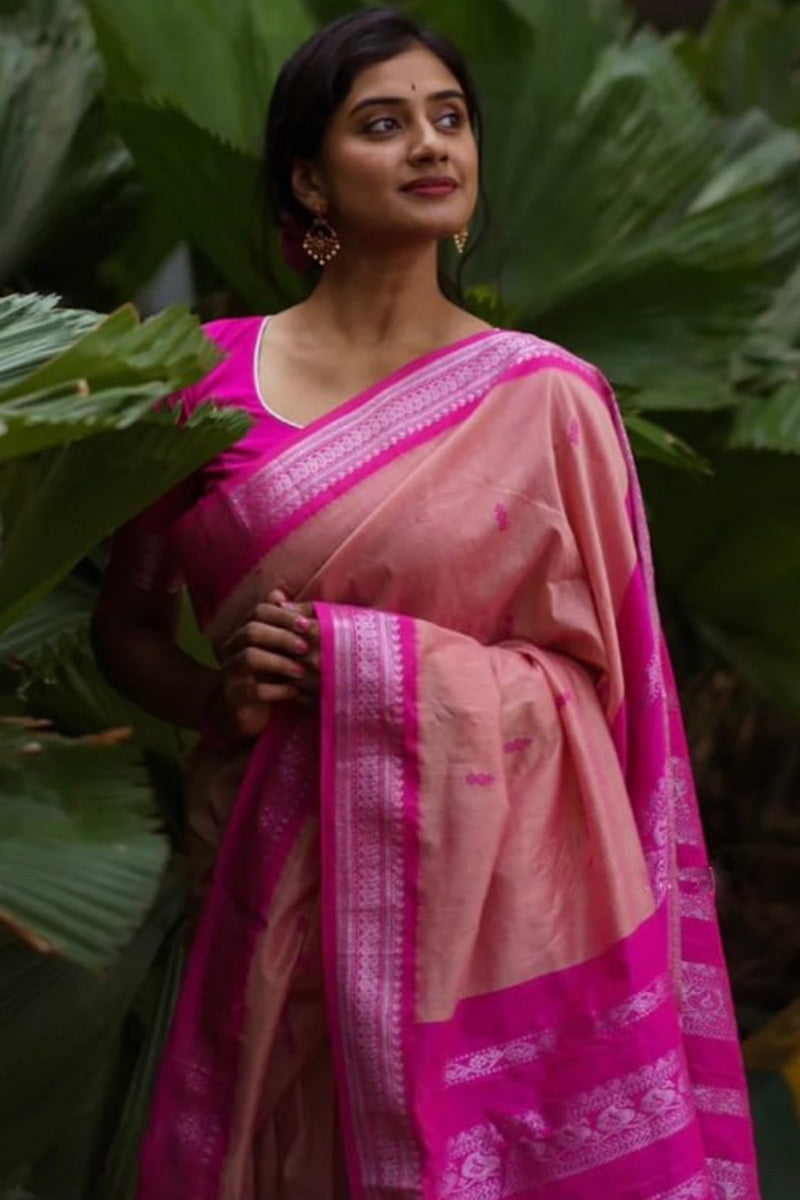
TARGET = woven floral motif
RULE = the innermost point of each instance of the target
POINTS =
(706, 1010)
(619, 1117)
(489, 1060)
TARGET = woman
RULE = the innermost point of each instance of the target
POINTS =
(460, 937)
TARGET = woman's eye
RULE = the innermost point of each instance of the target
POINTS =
(451, 120)
(381, 125)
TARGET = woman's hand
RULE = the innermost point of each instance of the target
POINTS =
(270, 658)
(305, 611)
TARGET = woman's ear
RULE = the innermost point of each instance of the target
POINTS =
(307, 187)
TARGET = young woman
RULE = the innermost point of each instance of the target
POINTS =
(459, 940)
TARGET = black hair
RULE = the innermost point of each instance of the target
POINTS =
(315, 81)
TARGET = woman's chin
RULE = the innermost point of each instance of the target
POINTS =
(408, 234)
(436, 231)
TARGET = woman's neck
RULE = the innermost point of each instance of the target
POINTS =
(384, 300)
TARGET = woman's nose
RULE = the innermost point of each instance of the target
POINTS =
(427, 144)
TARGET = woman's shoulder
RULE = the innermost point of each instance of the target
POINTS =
(231, 378)
(529, 354)
(237, 338)
(234, 335)
(556, 380)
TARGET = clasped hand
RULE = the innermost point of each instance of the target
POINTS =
(272, 657)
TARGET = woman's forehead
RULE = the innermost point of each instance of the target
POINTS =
(417, 71)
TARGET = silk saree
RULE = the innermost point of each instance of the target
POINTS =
(458, 938)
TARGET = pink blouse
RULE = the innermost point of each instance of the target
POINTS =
(142, 553)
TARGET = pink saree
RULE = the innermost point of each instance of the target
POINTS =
(460, 941)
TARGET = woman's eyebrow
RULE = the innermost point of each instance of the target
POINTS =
(368, 101)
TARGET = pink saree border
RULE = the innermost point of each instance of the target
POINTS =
(369, 838)
(353, 443)
(604, 1126)
(186, 1141)
(355, 403)
(722, 1181)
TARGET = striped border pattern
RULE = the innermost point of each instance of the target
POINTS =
(370, 811)
(402, 412)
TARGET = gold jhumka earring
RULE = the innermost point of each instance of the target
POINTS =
(321, 241)
(460, 239)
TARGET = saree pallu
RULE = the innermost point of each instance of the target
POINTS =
(466, 910)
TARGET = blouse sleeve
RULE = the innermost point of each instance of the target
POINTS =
(143, 552)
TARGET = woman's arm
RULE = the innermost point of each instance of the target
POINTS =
(134, 639)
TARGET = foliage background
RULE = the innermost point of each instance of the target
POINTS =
(643, 194)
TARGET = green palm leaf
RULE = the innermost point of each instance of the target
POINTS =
(80, 852)
(60, 615)
(128, 468)
(728, 558)
(57, 677)
(86, 407)
(63, 683)
(32, 330)
(767, 373)
(240, 45)
(120, 351)
(651, 441)
(629, 223)
(66, 180)
(121, 1162)
(222, 218)
(746, 57)
(769, 423)
(49, 76)
(56, 1071)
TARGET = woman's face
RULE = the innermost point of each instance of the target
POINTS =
(399, 161)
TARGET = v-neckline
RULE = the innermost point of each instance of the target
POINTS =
(366, 394)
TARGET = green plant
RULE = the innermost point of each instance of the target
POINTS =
(90, 912)
(746, 57)
(88, 415)
(75, 215)
(179, 129)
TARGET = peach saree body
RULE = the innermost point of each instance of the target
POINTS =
(459, 942)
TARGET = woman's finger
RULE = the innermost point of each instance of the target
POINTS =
(305, 618)
(250, 692)
(304, 607)
(265, 637)
(282, 615)
(263, 615)
(255, 662)
(290, 616)
(270, 693)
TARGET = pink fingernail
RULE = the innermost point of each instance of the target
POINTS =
(303, 624)
(301, 646)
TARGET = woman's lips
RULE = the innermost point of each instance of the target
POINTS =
(431, 187)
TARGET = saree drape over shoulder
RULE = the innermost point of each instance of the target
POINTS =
(459, 942)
